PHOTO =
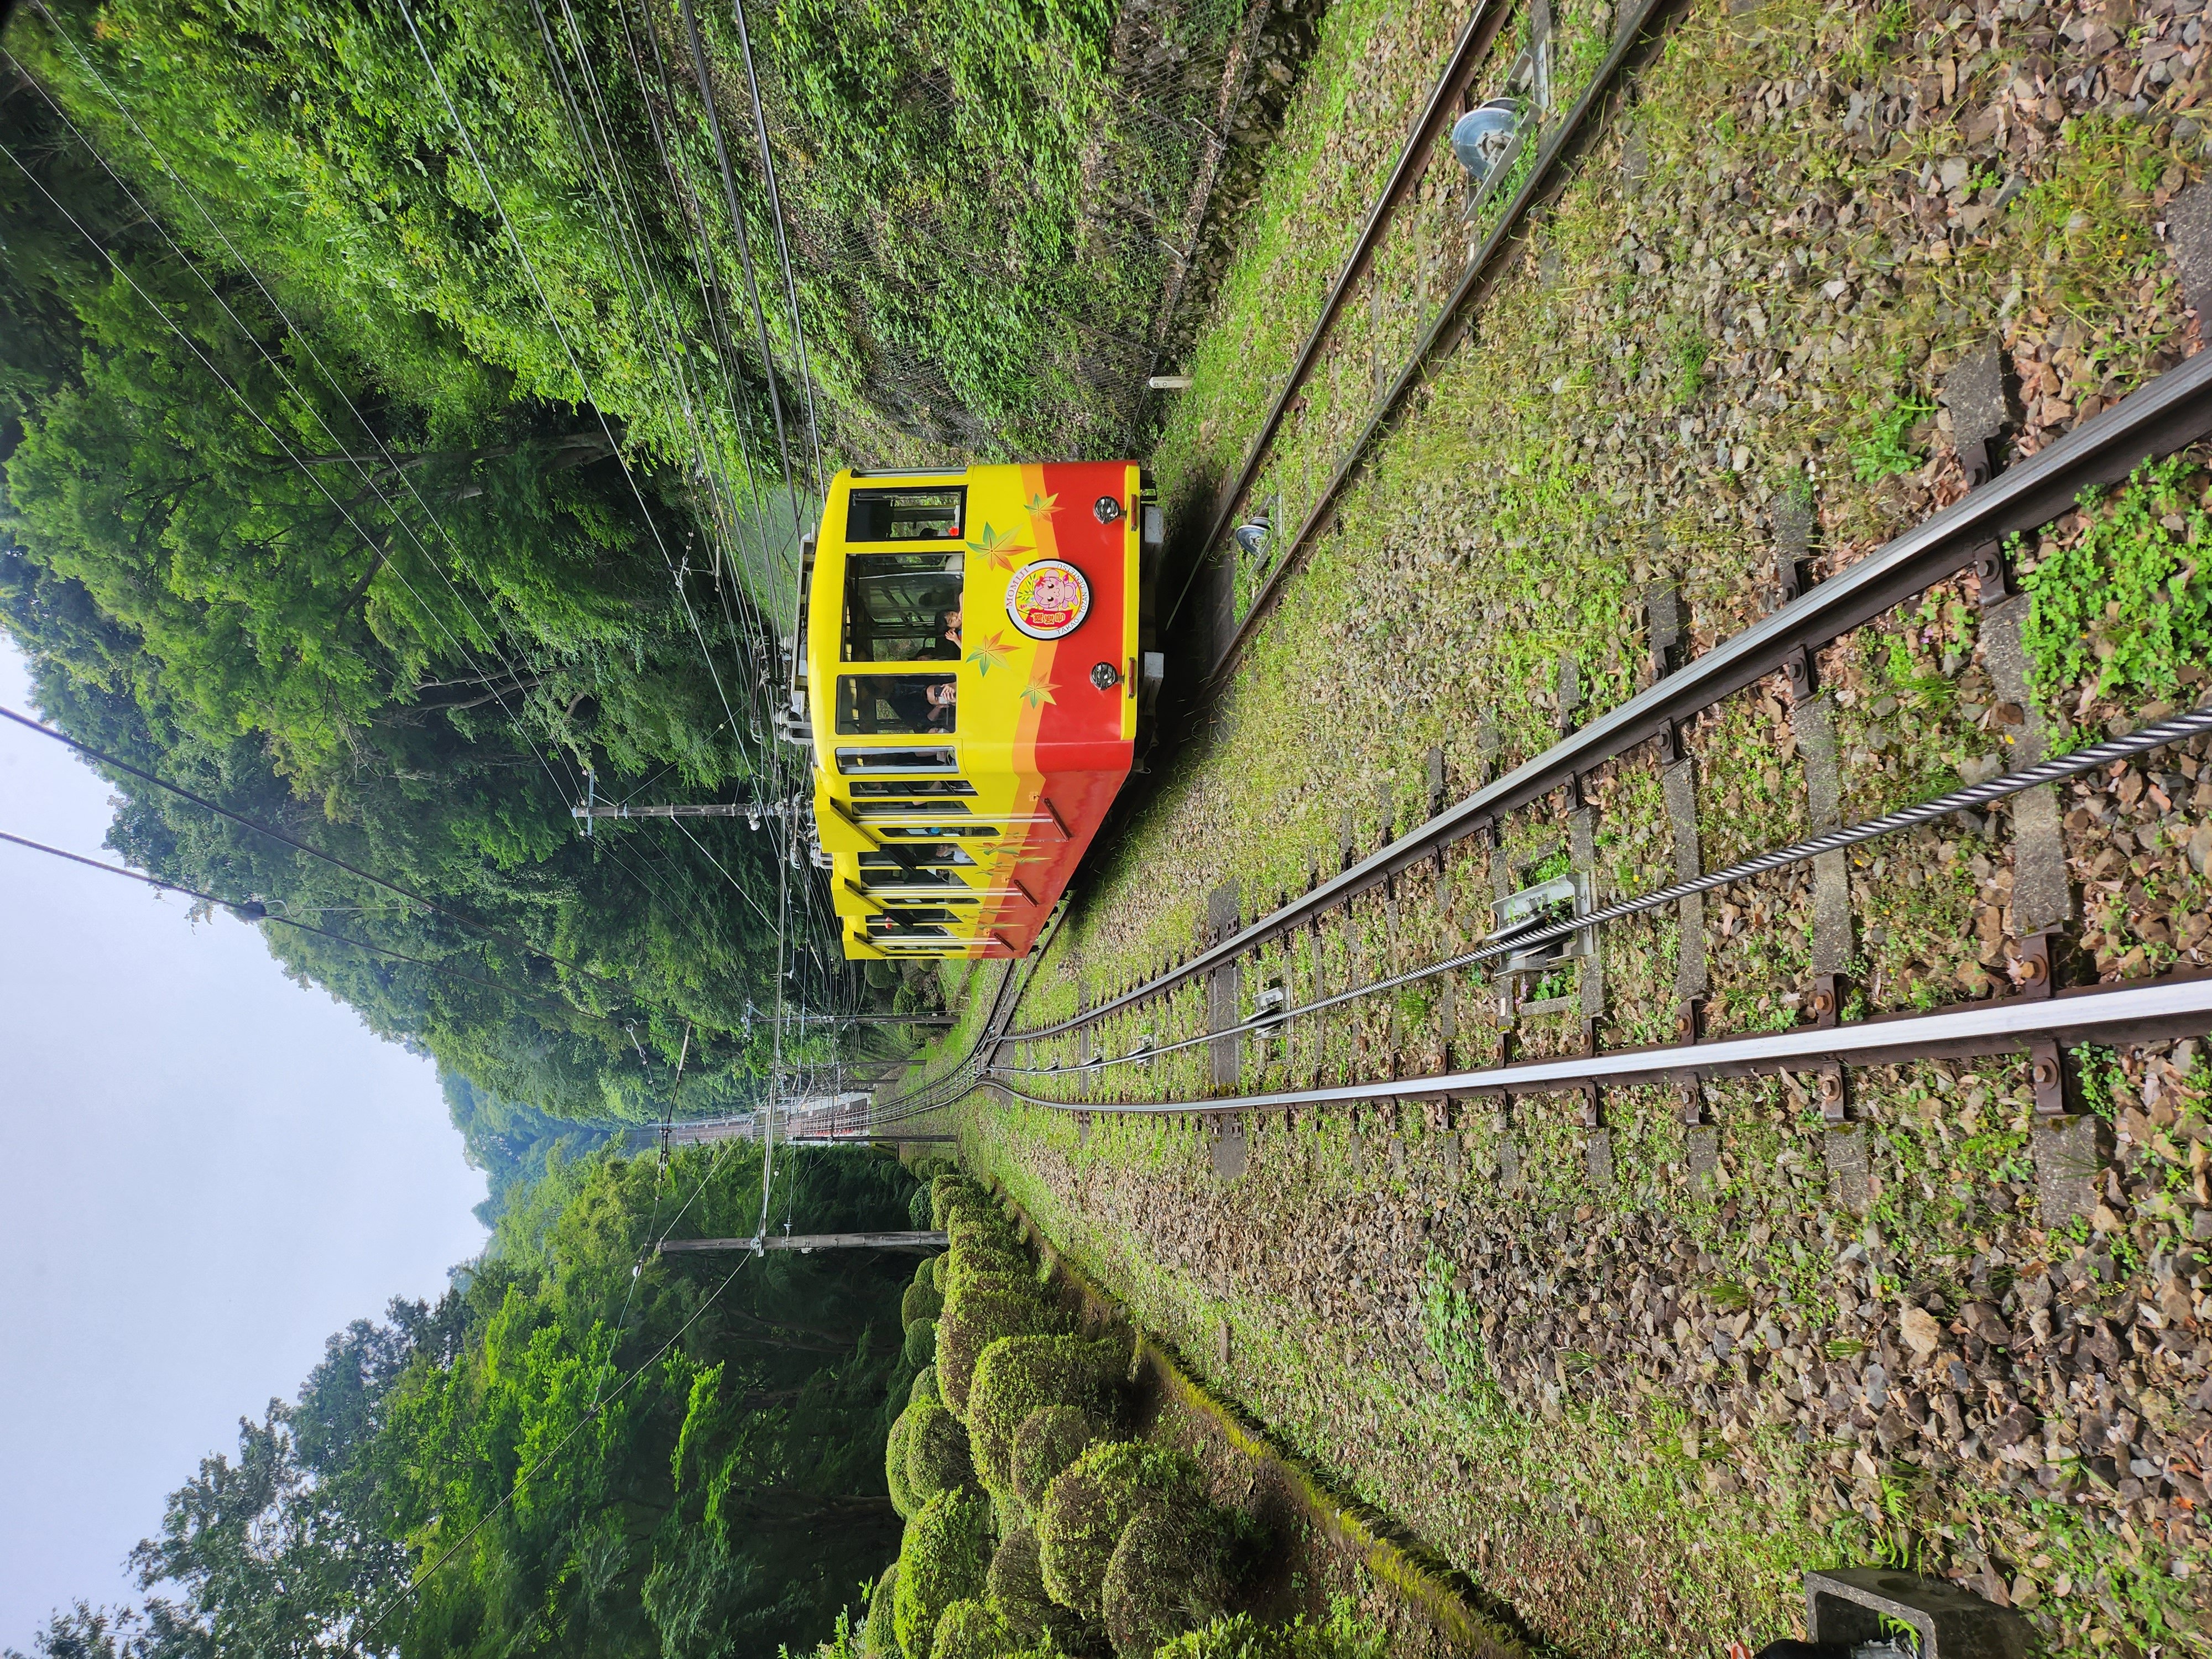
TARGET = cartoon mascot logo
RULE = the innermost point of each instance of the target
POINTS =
(1047, 599)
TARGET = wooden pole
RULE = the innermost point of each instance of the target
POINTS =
(803, 1241)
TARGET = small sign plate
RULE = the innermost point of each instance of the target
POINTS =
(1048, 600)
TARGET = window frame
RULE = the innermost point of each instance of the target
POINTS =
(860, 496)
(933, 674)
(851, 604)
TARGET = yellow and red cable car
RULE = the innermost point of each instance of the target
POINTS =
(972, 664)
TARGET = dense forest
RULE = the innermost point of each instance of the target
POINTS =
(687, 1461)
(370, 592)
(408, 414)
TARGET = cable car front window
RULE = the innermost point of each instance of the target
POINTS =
(905, 515)
(897, 705)
(902, 607)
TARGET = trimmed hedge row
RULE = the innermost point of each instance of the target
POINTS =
(943, 1558)
(1086, 1508)
(1011, 1417)
(1050, 1438)
(1019, 1375)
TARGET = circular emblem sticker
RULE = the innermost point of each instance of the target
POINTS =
(1047, 599)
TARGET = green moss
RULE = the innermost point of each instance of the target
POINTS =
(982, 1227)
(976, 1317)
(1086, 1508)
(1049, 1439)
(925, 1388)
(937, 1454)
(920, 1346)
(879, 1640)
(920, 1302)
(1015, 1586)
(1343, 1635)
(1166, 1577)
(895, 1465)
(950, 1192)
(1018, 1374)
(944, 1559)
(975, 1630)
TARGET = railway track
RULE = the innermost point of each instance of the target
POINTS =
(1355, 1132)
(2041, 1019)
(1497, 209)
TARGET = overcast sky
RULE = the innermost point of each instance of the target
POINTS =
(204, 1170)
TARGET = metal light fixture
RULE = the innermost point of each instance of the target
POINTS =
(1479, 137)
(1252, 535)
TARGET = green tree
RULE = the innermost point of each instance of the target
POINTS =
(570, 1458)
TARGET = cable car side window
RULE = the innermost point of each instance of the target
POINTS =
(902, 607)
(906, 515)
(895, 705)
(859, 762)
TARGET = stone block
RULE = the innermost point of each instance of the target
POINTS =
(2070, 1153)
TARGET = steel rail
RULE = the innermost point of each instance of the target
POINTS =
(1634, 38)
(2179, 729)
(2169, 412)
(2141, 1010)
(1467, 53)
(931, 1095)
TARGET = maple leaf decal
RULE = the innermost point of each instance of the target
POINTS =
(1041, 505)
(999, 547)
(1038, 692)
(988, 651)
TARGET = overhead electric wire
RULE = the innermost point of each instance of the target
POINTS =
(624, 227)
(700, 255)
(782, 244)
(245, 265)
(381, 554)
(788, 831)
(253, 910)
(745, 244)
(756, 651)
(314, 852)
(384, 560)
(630, 246)
(575, 365)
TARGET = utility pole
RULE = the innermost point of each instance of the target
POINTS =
(752, 811)
(871, 1019)
(808, 1241)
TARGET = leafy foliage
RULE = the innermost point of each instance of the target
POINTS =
(975, 1630)
(723, 1500)
(2126, 603)
(1021, 1374)
(1343, 1635)
(942, 1559)
(321, 564)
